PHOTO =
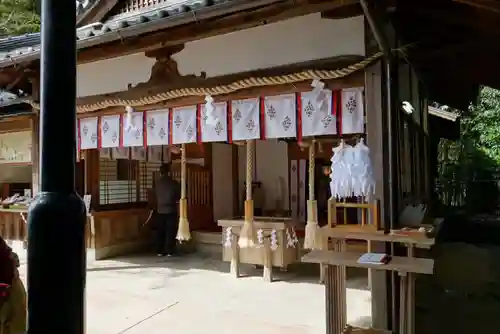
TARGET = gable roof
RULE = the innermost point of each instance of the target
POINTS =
(25, 48)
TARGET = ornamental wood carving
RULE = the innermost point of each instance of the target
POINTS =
(165, 70)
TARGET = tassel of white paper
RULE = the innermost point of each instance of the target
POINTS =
(341, 175)
(274, 240)
(260, 236)
(291, 238)
(363, 179)
(209, 110)
(129, 120)
(227, 237)
(319, 92)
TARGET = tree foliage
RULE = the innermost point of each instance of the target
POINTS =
(469, 168)
(18, 17)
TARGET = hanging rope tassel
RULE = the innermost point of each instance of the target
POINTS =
(247, 235)
(183, 233)
(313, 237)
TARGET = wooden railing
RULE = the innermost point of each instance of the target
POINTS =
(14, 227)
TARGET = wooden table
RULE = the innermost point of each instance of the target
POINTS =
(335, 261)
(263, 255)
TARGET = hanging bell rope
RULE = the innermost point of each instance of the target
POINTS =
(247, 234)
(313, 239)
(183, 233)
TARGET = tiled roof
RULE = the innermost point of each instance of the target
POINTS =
(24, 48)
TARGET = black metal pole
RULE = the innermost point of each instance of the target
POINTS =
(56, 218)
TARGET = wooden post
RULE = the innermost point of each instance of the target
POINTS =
(235, 256)
(268, 261)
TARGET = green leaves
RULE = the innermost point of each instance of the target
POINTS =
(18, 17)
(468, 167)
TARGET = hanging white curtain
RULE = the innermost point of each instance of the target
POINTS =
(280, 116)
(88, 133)
(110, 131)
(317, 121)
(184, 125)
(133, 133)
(157, 127)
(353, 111)
(245, 119)
(215, 131)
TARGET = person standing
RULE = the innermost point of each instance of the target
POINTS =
(13, 303)
(168, 194)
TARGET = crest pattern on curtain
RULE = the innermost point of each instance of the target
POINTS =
(184, 125)
(245, 119)
(317, 121)
(216, 132)
(110, 131)
(280, 116)
(157, 127)
(133, 133)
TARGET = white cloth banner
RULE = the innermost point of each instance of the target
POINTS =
(110, 131)
(157, 127)
(184, 125)
(245, 119)
(88, 133)
(138, 153)
(120, 153)
(353, 111)
(133, 133)
(280, 116)
(317, 122)
(218, 131)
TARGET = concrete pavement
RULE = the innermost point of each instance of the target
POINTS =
(196, 295)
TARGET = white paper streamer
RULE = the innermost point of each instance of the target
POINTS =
(291, 238)
(227, 237)
(209, 109)
(260, 236)
(319, 92)
(274, 240)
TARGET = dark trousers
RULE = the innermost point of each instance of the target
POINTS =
(166, 232)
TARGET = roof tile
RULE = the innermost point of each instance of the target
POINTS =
(29, 44)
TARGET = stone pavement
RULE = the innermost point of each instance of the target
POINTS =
(196, 295)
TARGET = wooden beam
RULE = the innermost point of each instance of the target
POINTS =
(343, 12)
(208, 28)
(456, 14)
(490, 5)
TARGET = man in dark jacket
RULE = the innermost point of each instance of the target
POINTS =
(167, 198)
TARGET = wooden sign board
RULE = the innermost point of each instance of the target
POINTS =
(15, 147)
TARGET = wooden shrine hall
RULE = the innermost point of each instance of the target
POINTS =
(247, 100)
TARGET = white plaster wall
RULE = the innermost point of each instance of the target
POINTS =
(296, 40)
(222, 172)
(271, 169)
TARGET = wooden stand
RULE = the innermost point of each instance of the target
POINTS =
(337, 259)
(262, 255)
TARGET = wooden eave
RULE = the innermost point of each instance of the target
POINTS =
(146, 89)
(210, 27)
(451, 45)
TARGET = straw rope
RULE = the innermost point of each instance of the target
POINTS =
(183, 171)
(249, 169)
(312, 167)
(226, 89)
